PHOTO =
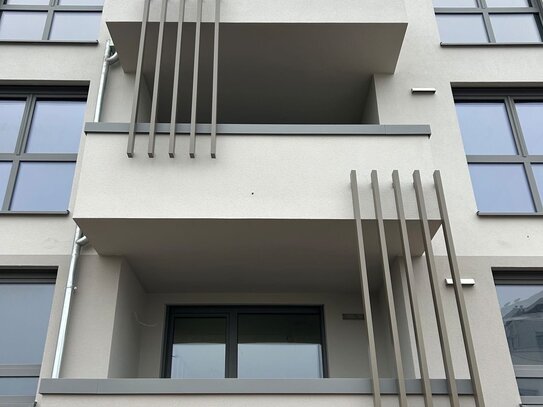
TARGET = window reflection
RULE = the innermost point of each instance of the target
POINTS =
(199, 348)
(522, 313)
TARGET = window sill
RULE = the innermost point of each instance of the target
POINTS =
(510, 214)
(239, 386)
(34, 213)
(531, 400)
(491, 44)
(50, 42)
(16, 401)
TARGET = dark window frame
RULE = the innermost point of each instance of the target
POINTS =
(34, 275)
(30, 95)
(231, 312)
(50, 9)
(522, 276)
(483, 10)
(509, 97)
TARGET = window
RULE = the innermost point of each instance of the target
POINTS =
(39, 141)
(25, 305)
(503, 140)
(50, 20)
(245, 342)
(489, 21)
(520, 295)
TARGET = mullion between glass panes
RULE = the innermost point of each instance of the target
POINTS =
(532, 183)
(515, 126)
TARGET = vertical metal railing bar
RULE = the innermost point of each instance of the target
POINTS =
(193, 116)
(215, 80)
(419, 337)
(139, 76)
(383, 248)
(372, 353)
(436, 294)
(176, 75)
(458, 291)
(156, 84)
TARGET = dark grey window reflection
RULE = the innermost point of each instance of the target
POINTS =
(5, 169)
(501, 188)
(24, 318)
(530, 386)
(82, 26)
(43, 186)
(22, 25)
(461, 28)
(11, 115)
(531, 121)
(455, 3)
(279, 346)
(485, 128)
(56, 126)
(515, 27)
(522, 313)
(199, 348)
(18, 386)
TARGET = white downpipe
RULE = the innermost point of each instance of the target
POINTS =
(79, 239)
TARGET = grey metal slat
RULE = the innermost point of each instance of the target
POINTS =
(406, 249)
(215, 80)
(383, 248)
(436, 294)
(458, 292)
(176, 75)
(372, 353)
(154, 101)
(137, 86)
(193, 117)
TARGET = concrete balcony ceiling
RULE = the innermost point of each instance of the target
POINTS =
(269, 72)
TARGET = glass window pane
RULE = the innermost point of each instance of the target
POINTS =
(5, 169)
(18, 386)
(455, 3)
(515, 28)
(501, 188)
(199, 348)
(531, 121)
(81, 2)
(530, 387)
(11, 115)
(76, 26)
(22, 25)
(461, 28)
(485, 128)
(279, 346)
(538, 172)
(43, 186)
(522, 314)
(24, 318)
(508, 3)
(29, 2)
(56, 127)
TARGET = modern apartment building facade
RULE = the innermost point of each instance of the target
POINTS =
(276, 203)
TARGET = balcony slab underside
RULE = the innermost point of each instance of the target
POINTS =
(236, 255)
(269, 72)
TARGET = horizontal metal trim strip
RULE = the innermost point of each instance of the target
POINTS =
(19, 370)
(35, 213)
(528, 371)
(532, 400)
(46, 7)
(271, 129)
(494, 44)
(239, 386)
(49, 42)
(504, 159)
(512, 214)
